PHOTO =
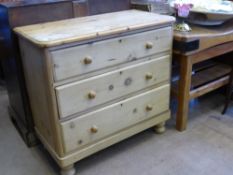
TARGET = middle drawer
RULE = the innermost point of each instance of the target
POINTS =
(79, 96)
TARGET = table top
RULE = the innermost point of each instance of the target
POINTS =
(202, 38)
(85, 28)
(204, 32)
(20, 3)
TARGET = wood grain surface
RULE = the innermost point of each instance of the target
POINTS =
(114, 118)
(73, 98)
(207, 36)
(79, 29)
(204, 31)
(70, 62)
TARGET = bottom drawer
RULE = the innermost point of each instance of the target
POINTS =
(104, 122)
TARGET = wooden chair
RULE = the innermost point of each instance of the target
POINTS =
(228, 93)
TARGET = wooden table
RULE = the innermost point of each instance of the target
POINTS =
(195, 47)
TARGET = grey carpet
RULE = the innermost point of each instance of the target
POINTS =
(206, 148)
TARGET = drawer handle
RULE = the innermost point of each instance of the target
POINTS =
(94, 129)
(149, 76)
(149, 45)
(87, 60)
(91, 95)
(149, 107)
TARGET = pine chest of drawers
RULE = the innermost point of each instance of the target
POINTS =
(95, 81)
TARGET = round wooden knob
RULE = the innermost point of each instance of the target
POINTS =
(87, 60)
(91, 95)
(149, 76)
(94, 129)
(149, 45)
(149, 107)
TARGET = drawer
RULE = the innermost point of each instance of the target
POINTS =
(79, 96)
(91, 57)
(107, 121)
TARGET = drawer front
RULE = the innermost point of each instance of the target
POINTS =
(102, 123)
(79, 96)
(87, 58)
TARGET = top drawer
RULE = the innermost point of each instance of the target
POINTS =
(91, 57)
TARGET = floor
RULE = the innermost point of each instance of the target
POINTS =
(205, 148)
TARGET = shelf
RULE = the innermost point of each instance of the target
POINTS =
(209, 87)
(204, 65)
(210, 74)
(206, 80)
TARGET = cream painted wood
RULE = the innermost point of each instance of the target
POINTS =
(91, 27)
(79, 96)
(70, 170)
(99, 124)
(83, 59)
(116, 115)
(108, 69)
(160, 128)
(40, 96)
(75, 156)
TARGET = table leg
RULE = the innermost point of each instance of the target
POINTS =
(183, 93)
(229, 93)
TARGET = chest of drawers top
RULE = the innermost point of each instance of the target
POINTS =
(92, 27)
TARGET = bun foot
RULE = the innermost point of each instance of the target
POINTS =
(160, 128)
(70, 170)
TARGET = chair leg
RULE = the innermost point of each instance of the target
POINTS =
(225, 108)
(228, 93)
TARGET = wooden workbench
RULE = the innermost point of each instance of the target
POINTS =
(203, 43)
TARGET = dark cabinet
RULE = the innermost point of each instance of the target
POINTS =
(106, 6)
(93, 7)
(19, 13)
